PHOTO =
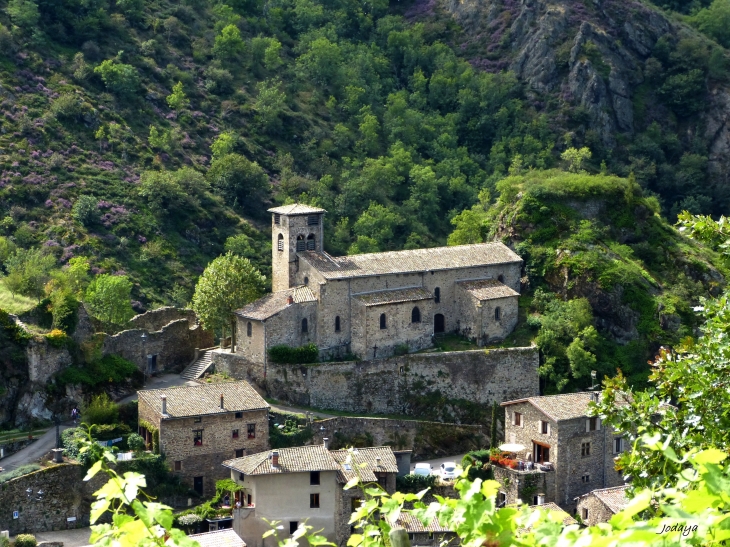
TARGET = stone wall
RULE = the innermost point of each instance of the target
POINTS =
(65, 495)
(426, 439)
(596, 510)
(524, 485)
(44, 360)
(448, 386)
(156, 319)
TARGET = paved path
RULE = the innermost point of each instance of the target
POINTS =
(160, 382)
(295, 410)
(78, 537)
(33, 452)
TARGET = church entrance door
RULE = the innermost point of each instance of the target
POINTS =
(438, 323)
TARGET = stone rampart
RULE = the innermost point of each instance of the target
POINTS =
(156, 319)
(449, 386)
(65, 495)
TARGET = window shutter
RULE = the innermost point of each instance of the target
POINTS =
(548, 429)
(588, 425)
(598, 424)
(539, 426)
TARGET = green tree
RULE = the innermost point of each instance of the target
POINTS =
(269, 103)
(575, 158)
(715, 21)
(118, 77)
(85, 210)
(224, 144)
(162, 190)
(272, 55)
(177, 100)
(28, 270)
(23, 13)
(237, 179)
(108, 298)
(165, 140)
(374, 229)
(228, 283)
(229, 44)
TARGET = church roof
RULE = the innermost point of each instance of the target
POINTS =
(296, 209)
(413, 260)
(393, 296)
(487, 289)
(273, 303)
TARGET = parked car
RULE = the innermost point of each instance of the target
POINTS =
(448, 471)
(423, 469)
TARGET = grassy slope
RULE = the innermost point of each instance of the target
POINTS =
(14, 304)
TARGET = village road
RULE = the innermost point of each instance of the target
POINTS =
(33, 452)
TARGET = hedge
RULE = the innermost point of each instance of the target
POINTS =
(287, 355)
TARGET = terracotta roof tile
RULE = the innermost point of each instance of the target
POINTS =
(414, 260)
(487, 289)
(273, 303)
(291, 460)
(613, 498)
(559, 407)
(220, 538)
(555, 508)
(204, 399)
(393, 296)
(413, 525)
(368, 457)
(296, 209)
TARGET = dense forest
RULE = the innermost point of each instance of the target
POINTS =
(150, 136)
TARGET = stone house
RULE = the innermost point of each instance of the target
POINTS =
(218, 538)
(431, 535)
(305, 483)
(554, 508)
(372, 304)
(600, 505)
(201, 426)
(578, 449)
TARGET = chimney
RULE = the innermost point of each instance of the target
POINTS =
(541, 499)
(275, 458)
(164, 404)
(222, 400)
(595, 396)
(377, 461)
(326, 443)
(289, 300)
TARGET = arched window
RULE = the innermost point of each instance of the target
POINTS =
(306, 280)
(304, 325)
(249, 328)
(500, 278)
(497, 313)
(301, 245)
(437, 295)
(311, 243)
(383, 324)
(280, 243)
(337, 324)
(416, 315)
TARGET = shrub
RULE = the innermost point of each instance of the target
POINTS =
(85, 210)
(285, 354)
(4, 542)
(110, 368)
(414, 483)
(129, 414)
(57, 338)
(25, 540)
(118, 77)
(237, 179)
(100, 410)
(68, 107)
(136, 443)
(19, 472)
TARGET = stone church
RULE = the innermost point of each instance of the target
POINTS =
(371, 305)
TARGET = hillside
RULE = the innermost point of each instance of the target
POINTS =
(608, 280)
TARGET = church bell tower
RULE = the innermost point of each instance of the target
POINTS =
(295, 228)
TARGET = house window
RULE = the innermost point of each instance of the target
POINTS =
(593, 424)
(178, 465)
(618, 445)
(239, 414)
(234, 434)
(313, 220)
(306, 280)
(500, 278)
(337, 324)
(584, 514)
(198, 437)
(293, 525)
(304, 325)
(517, 419)
(416, 315)
(241, 477)
(197, 419)
(382, 479)
(383, 324)
(249, 329)
(501, 499)
(239, 453)
(585, 450)
(311, 243)
(277, 218)
(280, 243)
(301, 244)
(314, 477)
(497, 313)
(355, 504)
(437, 295)
(251, 431)
(544, 427)
(314, 501)
(585, 478)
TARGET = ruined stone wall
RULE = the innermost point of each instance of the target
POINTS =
(156, 319)
(448, 386)
(426, 439)
(44, 360)
(65, 495)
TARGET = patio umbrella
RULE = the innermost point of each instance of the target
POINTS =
(511, 447)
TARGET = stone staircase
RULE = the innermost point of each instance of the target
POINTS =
(198, 367)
